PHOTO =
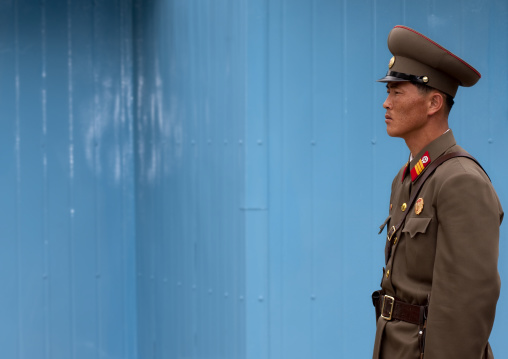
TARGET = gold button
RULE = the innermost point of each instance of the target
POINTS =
(403, 207)
(395, 241)
(425, 79)
(387, 273)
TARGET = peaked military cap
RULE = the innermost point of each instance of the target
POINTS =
(419, 59)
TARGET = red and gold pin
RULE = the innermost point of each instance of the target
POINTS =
(420, 166)
(419, 205)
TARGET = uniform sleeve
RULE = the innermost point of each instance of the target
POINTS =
(466, 282)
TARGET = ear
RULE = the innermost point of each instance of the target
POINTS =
(436, 102)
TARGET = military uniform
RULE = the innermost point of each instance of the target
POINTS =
(440, 284)
(447, 250)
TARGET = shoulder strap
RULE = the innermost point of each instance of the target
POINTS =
(432, 167)
(414, 193)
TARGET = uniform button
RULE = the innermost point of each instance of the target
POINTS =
(387, 273)
(395, 241)
(403, 207)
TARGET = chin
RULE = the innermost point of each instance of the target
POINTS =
(391, 133)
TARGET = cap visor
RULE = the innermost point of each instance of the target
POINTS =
(391, 79)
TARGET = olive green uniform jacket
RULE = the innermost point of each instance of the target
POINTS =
(448, 253)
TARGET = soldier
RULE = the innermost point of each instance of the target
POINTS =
(440, 284)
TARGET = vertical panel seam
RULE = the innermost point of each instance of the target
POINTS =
(18, 172)
(71, 176)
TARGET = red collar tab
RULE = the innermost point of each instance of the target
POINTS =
(420, 166)
(404, 173)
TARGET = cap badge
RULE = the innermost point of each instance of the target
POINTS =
(419, 205)
(392, 61)
(420, 166)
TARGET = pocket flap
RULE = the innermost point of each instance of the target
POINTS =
(381, 227)
(416, 225)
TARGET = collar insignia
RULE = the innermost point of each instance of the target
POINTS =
(420, 166)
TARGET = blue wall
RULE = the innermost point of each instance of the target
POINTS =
(205, 179)
(67, 214)
(190, 198)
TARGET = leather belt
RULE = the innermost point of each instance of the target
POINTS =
(391, 308)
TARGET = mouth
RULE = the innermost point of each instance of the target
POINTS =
(387, 118)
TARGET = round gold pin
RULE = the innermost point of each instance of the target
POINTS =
(392, 62)
(425, 79)
(419, 205)
(403, 207)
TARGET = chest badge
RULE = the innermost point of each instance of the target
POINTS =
(419, 205)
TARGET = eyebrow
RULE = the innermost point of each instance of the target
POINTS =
(392, 85)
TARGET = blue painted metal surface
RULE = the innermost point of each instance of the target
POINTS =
(204, 179)
(190, 181)
(67, 200)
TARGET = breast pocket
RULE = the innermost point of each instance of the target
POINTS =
(414, 226)
(420, 243)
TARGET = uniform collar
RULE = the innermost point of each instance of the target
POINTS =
(428, 154)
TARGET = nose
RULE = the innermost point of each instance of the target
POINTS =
(387, 104)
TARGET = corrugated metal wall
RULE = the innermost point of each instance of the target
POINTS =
(204, 179)
(190, 180)
(67, 280)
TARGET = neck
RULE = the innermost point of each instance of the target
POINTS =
(418, 141)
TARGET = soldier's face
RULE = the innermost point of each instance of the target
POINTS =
(406, 110)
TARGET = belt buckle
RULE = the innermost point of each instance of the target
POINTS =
(388, 235)
(392, 302)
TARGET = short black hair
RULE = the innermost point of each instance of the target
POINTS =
(426, 89)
